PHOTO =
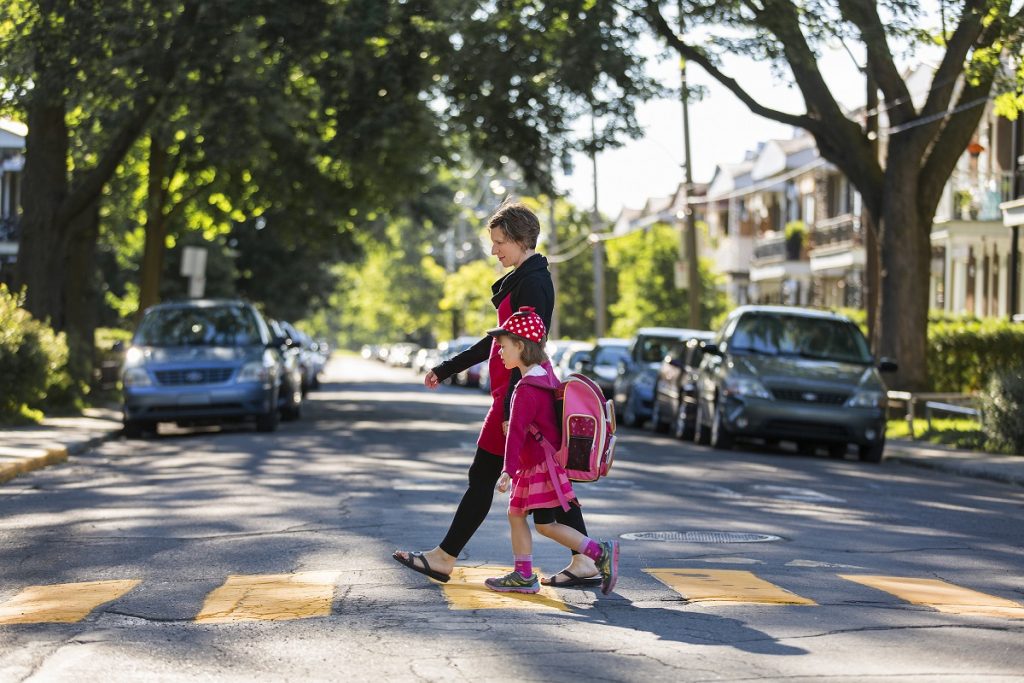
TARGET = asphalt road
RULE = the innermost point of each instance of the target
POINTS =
(231, 555)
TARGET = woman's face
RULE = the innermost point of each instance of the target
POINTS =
(509, 253)
(510, 351)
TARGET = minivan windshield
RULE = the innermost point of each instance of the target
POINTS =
(199, 326)
(798, 335)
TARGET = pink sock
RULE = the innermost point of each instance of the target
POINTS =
(524, 565)
(590, 548)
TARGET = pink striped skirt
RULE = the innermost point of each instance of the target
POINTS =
(534, 489)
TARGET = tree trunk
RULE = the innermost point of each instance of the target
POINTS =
(82, 294)
(41, 251)
(905, 255)
(156, 227)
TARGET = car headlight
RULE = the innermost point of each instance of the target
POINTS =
(262, 370)
(136, 377)
(868, 399)
(745, 387)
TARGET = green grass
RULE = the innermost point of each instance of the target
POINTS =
(962, 433)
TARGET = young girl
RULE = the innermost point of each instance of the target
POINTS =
(539, 485)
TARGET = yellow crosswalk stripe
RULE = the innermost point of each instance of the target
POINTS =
(270, 597)
(63, 603)
(727, 586)
(941, 596)
(466, 590)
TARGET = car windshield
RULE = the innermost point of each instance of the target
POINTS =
(199, 326)
(654, 349)
(611, 355)
(797, 335)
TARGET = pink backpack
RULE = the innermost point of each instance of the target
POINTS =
(588, 430)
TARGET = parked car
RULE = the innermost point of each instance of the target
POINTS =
(453, 348)
(792, 374)
(290, 397)
(675, 389)
(310, 360)
(425, 359)
(573, 359)
(634, 382)
(201, 362)
(603, 364)
(402, 354)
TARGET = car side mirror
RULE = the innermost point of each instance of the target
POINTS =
(712, 349)
(675, 361)
(585, 364)
(887, 365)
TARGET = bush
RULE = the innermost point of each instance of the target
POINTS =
(33, 361)
(1002, 408)
(964, 355)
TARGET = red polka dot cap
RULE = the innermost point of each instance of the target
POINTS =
(526, 324)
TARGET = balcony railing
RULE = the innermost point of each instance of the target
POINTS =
(776, 249)
(9, 229)
(843, 229)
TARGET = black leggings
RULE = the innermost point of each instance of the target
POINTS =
(476, 503)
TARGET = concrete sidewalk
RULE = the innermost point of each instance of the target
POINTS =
(23, 449)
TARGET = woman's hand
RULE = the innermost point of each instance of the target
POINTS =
(430, 381)
(504, 481)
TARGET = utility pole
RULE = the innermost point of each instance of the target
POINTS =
(692, 262)
(555, 331)
(595, 224)
(869, 222)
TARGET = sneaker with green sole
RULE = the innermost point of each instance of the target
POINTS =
(608, 565)
(514, 582)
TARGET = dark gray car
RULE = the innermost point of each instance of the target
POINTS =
(792, 374)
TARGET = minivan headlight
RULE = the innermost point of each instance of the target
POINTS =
(136, 377)
(745, 387)
(868, 399)
(253, 371)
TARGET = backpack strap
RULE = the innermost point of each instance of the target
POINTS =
(549, 456)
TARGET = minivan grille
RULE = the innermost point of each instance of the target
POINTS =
(806, 396)
(193, 376)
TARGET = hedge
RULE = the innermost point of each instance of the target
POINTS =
(964, 356)
(33, 361)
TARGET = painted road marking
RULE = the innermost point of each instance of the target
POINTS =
(270, 597)
(466, 590)
(63, 603)
(941, 596)
(725, 585)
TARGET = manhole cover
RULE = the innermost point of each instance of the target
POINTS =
(701, 536)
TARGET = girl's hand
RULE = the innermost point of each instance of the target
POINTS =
(431, 381)
(504, 481)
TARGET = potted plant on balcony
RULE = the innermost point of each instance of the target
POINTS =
(796, 232)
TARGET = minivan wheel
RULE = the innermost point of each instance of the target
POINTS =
(872, 453)
(136, 429)
(701, 431)
(267, 422)
(681, 428)
(657, 423)
(629, 416)
(293, 410)
(721, 438)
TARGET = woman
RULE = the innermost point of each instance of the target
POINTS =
(514, 230)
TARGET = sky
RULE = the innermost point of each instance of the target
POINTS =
(722, 129)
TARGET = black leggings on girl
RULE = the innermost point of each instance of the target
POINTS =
(476, 503)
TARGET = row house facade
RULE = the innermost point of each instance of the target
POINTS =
(12, 162)
(784, 225)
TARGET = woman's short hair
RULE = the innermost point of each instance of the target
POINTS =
(518, 223)
(533, 353)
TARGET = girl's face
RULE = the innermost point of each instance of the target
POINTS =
(510, 351)
(509, 253)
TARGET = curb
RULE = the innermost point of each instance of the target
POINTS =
(958, 468)
(15, 461)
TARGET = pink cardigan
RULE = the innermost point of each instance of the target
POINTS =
(533, 402)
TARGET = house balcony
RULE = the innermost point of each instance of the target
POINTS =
(9, 233)
(733, 255)
(775, 248)
(836, 233)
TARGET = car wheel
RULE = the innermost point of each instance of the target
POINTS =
(837, 451)
(872, 453)
(293, 410)
(137, 429)
(721, 438)
(681, 427)
(267, 422)
(701, 431)
(629, 416)
(657, 423)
